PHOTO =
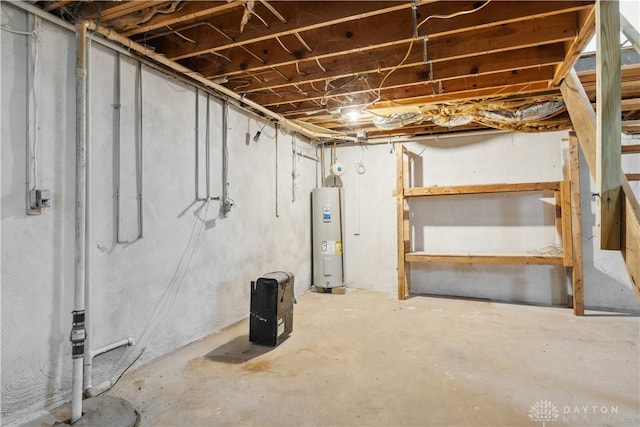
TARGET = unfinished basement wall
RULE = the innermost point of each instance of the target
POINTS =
(498, 223)
(189, 274)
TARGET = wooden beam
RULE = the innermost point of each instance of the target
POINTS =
(521, 88)
(481, 189)
(381, 50)
(630, 32)
(485, 259)
(577, 278)
(400, 223)
(574, 96)
(608, 123)
(108, 11)
(191, 11)
(582, 116)
(586, 29)
(302, 18)
(558, 214)
(630, 125)
(567, 240)
(420, 72)
(53, 5)
(630, 149)
(411, 87)
(631, 236)
(633, 176)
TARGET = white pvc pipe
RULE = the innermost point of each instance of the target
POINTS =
(88, 236)
(78, 332)
(126, 341)
(102, 387)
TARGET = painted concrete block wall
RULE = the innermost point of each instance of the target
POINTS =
(501, 223)
(189, 275)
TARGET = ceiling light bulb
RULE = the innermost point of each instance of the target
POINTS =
(353, 115)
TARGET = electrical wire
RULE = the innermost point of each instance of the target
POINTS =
(170, 293)
(20, 33)
(36, 49)
(452, 15)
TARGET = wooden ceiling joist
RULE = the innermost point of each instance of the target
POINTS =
(361, 33)
(194, 10)
(514, 36)
(305, 59)
(414, 74)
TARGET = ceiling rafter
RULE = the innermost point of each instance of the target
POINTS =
(56, 5)
(307, 60)
(309, 16)
(444, 68)
(418, 75)
(385, 50)
(193, 10)
(396, 24)
(537, 88)
(586, 29)
(426, 88)
(108, 11)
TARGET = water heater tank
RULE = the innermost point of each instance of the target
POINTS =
(326, 205)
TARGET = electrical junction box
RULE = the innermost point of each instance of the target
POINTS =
(39, 199)
(271, 317)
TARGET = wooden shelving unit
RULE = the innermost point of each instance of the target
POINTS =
(567, 196)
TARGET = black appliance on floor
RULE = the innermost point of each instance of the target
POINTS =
(271, 319)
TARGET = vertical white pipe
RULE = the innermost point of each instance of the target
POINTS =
(139, 160)
(29, 95)
(197, 132)
(276, 144)
(294, 172)
(207, 144)
(88, 237)
(78, 332)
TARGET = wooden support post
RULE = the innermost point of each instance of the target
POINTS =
(567, 241)
(631, 236)
(576, 227)
(582, 116)
(608, 123)
(630, 32)
(558, 205)
(407, 225)
(401, 224)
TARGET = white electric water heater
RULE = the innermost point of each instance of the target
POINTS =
(326, 205)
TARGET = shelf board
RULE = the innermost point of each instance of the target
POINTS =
(480, 189)
(630, 149)
(485, 259)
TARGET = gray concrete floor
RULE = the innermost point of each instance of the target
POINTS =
(365, 359)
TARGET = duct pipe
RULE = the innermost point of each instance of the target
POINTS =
(78, 332)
